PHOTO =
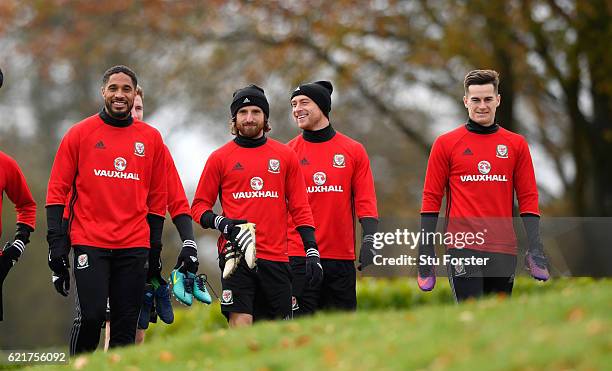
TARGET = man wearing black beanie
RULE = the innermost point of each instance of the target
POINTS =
(340, 185)
(258, 180)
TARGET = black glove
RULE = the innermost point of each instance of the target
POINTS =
(188, 257)
(535, 259)
(13, 250)
(367, 252)
(59, 248)
(229, 227)
(59, 264)
(5, 266)
(155, 263)
(314, 270)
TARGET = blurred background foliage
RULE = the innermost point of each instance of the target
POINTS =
(397, 69)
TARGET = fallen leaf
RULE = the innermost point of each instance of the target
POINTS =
(466, 316)
(166, 356)
(80, 363)
(329, 356)
(285, 343)
(253, 345)
(575, 315)
(114, 358)
(302, 340)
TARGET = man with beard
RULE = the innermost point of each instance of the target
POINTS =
(340, 186)
(257, 179)
(113, 167)
(156, 299)
(480, 166)
(14, 184)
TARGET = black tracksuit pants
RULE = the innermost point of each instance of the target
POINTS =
(116, 274)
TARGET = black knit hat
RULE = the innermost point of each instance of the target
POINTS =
(1, 78)
(319, 91)
(251, 95)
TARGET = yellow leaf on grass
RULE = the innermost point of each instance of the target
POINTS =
(114, 358)
(80, 363)
(166, 356)
(575, 315)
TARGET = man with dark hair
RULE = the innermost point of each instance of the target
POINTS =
(13, 183)
(256, 179)
(156, 298)
(340, 186)
(113, 168)
(479, 166)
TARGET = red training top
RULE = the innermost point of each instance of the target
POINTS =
(177, 199)
(14, 184)
(117, 176)
(339, 184)
(479, 173)
(260, 184)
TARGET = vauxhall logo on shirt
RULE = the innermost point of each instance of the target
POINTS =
(484, 168)
(120, 165)
(319, 178)
(257, 185)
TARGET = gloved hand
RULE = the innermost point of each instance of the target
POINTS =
(59, 263)
(5, 266)
(537, 263)
(314, 269)
(229, 227)
(535, 259)
(426, 277)
(155, 263)
(13, 250)
(367, 252)
(188, 258)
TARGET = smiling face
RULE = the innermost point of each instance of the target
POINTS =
(250, 121)
(481, 102)
(307, 113)
(119, 93)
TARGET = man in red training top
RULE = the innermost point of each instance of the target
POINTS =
(114, 167)
(13, 183)
(480, 165)
(258, 180)
(157, 295)
(340, 186)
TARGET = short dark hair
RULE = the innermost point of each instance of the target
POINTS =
(481, 77)
(119, 69)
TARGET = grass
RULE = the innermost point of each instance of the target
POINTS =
(565, 324)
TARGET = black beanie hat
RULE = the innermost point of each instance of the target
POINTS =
(1, 78)
(319, 91)
(251, 95)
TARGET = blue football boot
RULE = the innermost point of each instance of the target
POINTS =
(182, 287)
(199, 289)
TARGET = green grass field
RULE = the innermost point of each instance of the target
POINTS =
(563, 325)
